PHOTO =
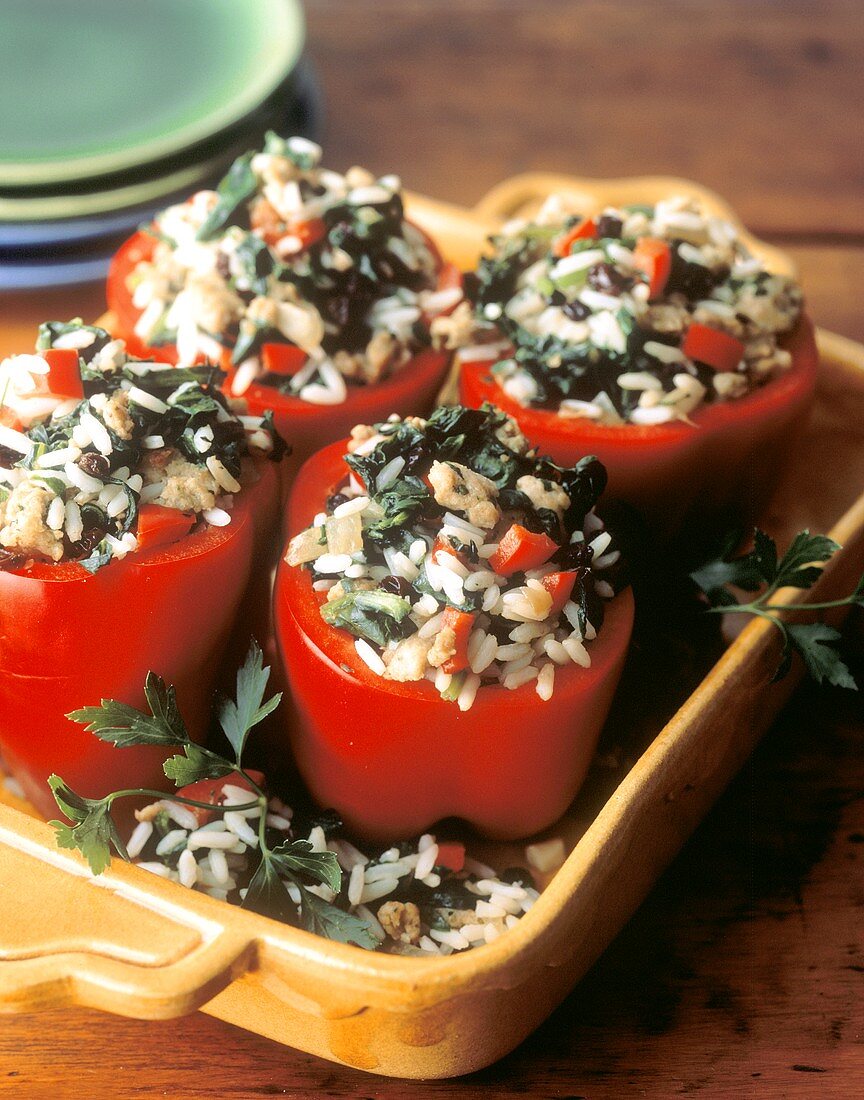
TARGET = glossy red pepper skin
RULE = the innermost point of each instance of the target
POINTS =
(69, 639)
(654, 258)
(520, 550)
(675, 473)
(213, 791)
(395, 758)
(64, 378)
(709, 345)
(585, 229)
(410, 391)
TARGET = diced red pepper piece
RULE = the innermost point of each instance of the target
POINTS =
(160, 526)
(309, 232)
(654, 257)
(520, 550)
(585, 229)
(560, 587)
(64, 377)
(9, 419)
(460, 622)
(451, 854)
(213, 791)
(442, 546)
(285, 359)
(449, 277)
(711, 346)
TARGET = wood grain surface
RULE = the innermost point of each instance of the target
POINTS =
(743, 974)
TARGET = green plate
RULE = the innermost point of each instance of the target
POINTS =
(103, 202)
(100, 86)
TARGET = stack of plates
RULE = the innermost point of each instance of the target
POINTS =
(110, 111)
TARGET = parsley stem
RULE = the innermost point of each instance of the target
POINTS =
(846, 602)
(758, 607)
(165, 796)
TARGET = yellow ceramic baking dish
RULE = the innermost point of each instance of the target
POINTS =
(131, 943)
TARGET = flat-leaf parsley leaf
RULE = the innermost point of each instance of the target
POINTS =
(760, 571)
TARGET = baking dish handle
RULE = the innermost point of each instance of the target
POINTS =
(106, 942)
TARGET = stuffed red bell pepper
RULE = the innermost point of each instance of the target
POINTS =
(652, 338)
(448, 619)
(131, 498)
(308, 285)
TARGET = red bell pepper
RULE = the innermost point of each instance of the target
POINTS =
(442, 546)
(158, 526)
(654, 258)
(308, 232)
(585, 229)
(449, 277)
(64, 377)
(460, 622)
(560, 588)
(677, 473)
(451, 854)
(520, 550)
(411, 390)
(393, 758)
(711, 346)
(213, 791)
(69, 639)
(284, 359)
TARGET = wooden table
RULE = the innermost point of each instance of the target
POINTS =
(743, 974)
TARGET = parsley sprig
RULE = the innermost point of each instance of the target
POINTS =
(94, 833)
(760, 570)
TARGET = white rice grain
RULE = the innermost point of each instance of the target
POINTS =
(222, 475)
(491, 598)
(146, 400)
(369, 657)
(555, 651)
(517, 679)
(356, 884)
(426, 862)
(216, 517)
(236, 823)
(205, 838)
(466, 697)
(485, 652)
(56, 515)
(187, 869)
(451, 938)
(443, 680)
(577, 652)
(218, 865)
(74, 523)
(389, 473)
(182, 815)
(372, 891)
(546, 682)
(140, 835)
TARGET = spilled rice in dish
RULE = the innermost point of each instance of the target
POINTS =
(420, 898)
